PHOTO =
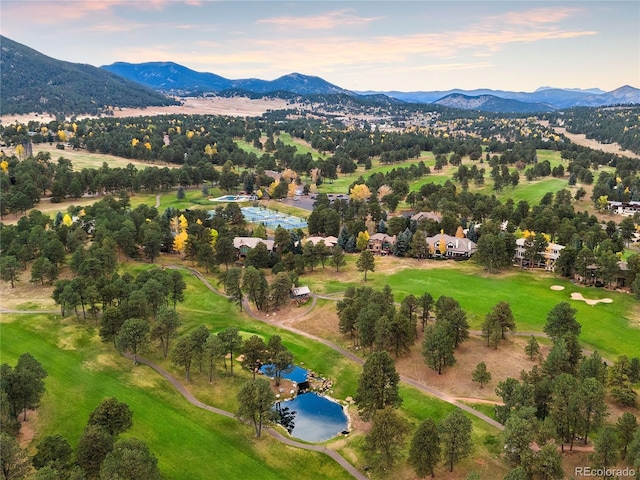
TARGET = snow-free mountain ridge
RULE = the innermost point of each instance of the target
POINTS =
(171, 77)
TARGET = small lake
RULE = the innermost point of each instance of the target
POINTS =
(317, 419)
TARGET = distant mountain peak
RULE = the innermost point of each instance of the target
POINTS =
(174, 77)
(579, 90)
(492, 103)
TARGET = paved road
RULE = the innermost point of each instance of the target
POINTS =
(274, 433)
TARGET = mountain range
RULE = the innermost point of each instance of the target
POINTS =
(34, 82)
(555, 98)
(173, 78)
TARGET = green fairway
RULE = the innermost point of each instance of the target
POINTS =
(532, 192)
(301, 145)
(193, 198)
(606, 327)
(83, 370)
(611, 328)
(186, 440)
(248, 147)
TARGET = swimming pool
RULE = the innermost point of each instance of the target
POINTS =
(297, 374)
(233, 198)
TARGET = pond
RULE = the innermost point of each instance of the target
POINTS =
(309, 416)
(317, 418)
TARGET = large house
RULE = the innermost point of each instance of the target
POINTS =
(381, 243)
(244, 244)
(329, 241)
(446, 246)
(426, 216)
(547, 259)
(624, 208)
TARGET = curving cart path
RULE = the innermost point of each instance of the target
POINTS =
(275, 434)
(409, 381)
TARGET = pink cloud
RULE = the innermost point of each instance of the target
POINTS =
(327, 21)
(53, 12)
(536, 16)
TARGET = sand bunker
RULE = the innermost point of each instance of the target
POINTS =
(557, 287)
(578, 296)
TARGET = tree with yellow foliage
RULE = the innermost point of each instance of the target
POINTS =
(67, 220)
(362, 241)
(442, 247)
(459, 232)
(360, 192)
(272, 188)
(289, 175)
(4, 166)
(134, 142)
(214, 237)
(210, 150)
(62, 135)
(19, 151)
(291, 190)
(180, 241)
(602, 202)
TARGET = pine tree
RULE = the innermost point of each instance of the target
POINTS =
(425, 450)
(532, 349)
(455, 437)
(366, 263)
(481, 375)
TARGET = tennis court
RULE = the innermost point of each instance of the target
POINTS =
(272, 219)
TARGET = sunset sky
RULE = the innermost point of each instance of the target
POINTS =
(358, 45)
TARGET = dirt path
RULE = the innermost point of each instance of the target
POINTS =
(477, 400)
(274, 433)
(30, 312)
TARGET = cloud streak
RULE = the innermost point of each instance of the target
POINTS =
(327, 21)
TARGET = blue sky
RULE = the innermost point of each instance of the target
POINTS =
(358, 45)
